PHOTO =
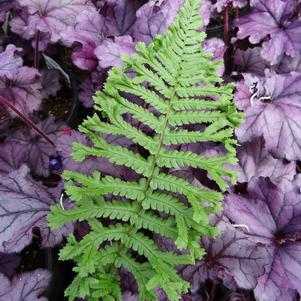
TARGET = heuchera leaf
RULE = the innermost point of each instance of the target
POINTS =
(121, 13)
(232, 257)
(26, 286)
(273, 18)
(109, 52)
(218, 48)
(89, 30)
(289, 64)
(10, 61)
(23, 89)
(272, 215)
(255, 161)
(33, 204)
(37, 149)
(154, 17)
(276, 119)
(12, 156)
(249, 61)
(54, 16)
(20, 23)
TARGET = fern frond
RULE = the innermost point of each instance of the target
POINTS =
(155, 101)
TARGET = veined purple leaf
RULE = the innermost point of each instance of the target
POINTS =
(121, 13)
(12, 156)
(154, 17)
(289, 64)
(249, 61)
(20, 24)
(272, 215)
(89, 31)
(276, 118)
(232, 257)
(26, 286)
(109, 52)
(54, 16)
(25, 204)
(50, 80)
(255, 161)
(273, 18)
(128, 296)
(37, 149)
(10, 61)
(218, 48)
(9, 264)
(90, 85)
(23, 89)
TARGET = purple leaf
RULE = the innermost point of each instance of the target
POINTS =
(12, 156)
(232, 257)
(37, 149)
(23, 89)
(278, 119)
(273, 18)
(26, 286)
(20, 24)
(92, 84)
(255, 161)
(50, 80)
(272, 215)
(9, 264)
(218, 48)
(89, 31)
(54, 16)
(249, 61)
(289, 64)
(154, 17)
(109, 52)
(10, 61)
(24, 205)
(122, 13)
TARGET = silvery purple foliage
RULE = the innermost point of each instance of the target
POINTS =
(34, 201)
(19, 84)
(89, 30)
(255, 161)
(276, 116)
(232, 257)
(249, 61)
(109, 52)
(28, 286)
(37, 150)
(272, 215)
(277, 19)
(53, 17)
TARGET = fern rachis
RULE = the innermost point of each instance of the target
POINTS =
(179, 86)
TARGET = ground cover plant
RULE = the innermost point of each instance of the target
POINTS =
(54, 56)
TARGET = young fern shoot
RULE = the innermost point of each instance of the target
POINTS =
(177, 85)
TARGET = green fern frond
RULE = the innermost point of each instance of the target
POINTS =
(177, 86)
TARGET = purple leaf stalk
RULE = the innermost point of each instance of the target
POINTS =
(24, 118)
